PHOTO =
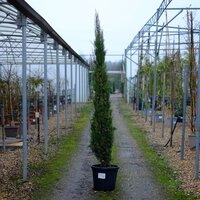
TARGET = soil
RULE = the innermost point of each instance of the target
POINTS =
(11, 159)
(136, 180)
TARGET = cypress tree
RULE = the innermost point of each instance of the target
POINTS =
(102, 129)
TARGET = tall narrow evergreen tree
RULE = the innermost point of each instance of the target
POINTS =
(102, 129)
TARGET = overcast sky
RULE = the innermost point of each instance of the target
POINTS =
(73, 20)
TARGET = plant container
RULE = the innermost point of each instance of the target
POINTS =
(192, 141)
(11, 131)
(104, 178)
(169, 121)
(158, 118)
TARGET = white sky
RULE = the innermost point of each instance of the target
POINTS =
(73, 20)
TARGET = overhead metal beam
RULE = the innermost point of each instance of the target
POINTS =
(170, 20)
(29, 12)
(151, 21)
(182, 8)
(111, 72)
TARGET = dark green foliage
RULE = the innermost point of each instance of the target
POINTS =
(102, 129)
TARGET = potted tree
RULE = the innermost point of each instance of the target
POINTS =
(102, 130)
(6, 122)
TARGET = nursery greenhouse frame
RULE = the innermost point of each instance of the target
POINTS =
(172, 29)
(26, 39)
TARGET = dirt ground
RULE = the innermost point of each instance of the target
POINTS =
(11, 159)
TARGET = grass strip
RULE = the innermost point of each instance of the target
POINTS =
(165, 175)
(50, 170)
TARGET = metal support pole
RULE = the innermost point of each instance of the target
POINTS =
(184, 111)
(198, 120)
(155, 75)
(53, 104)
(137, 93)
(138, 78)
(82, 79)
(57, 89)
(3, 125)
(131, 75)
(79, 81)
(24, 99)
(45, 95)
(130, 85)
(87, 84)
(142, 106)
(179, 44)
(131, 70)
(28, 100)
(146, 97)
(172, 125)
(163, 100)
(75, 88)
(65, 55)
(0, 71)
(124, 70)
(84, 84)
(71, 70)
(126, 88)
(133, 95)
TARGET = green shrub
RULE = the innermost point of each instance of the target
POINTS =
(102, 129)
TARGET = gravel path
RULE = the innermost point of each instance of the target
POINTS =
(136, 181)
(77, 182)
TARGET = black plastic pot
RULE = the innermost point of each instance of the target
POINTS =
(11, 131)
(104, 178)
